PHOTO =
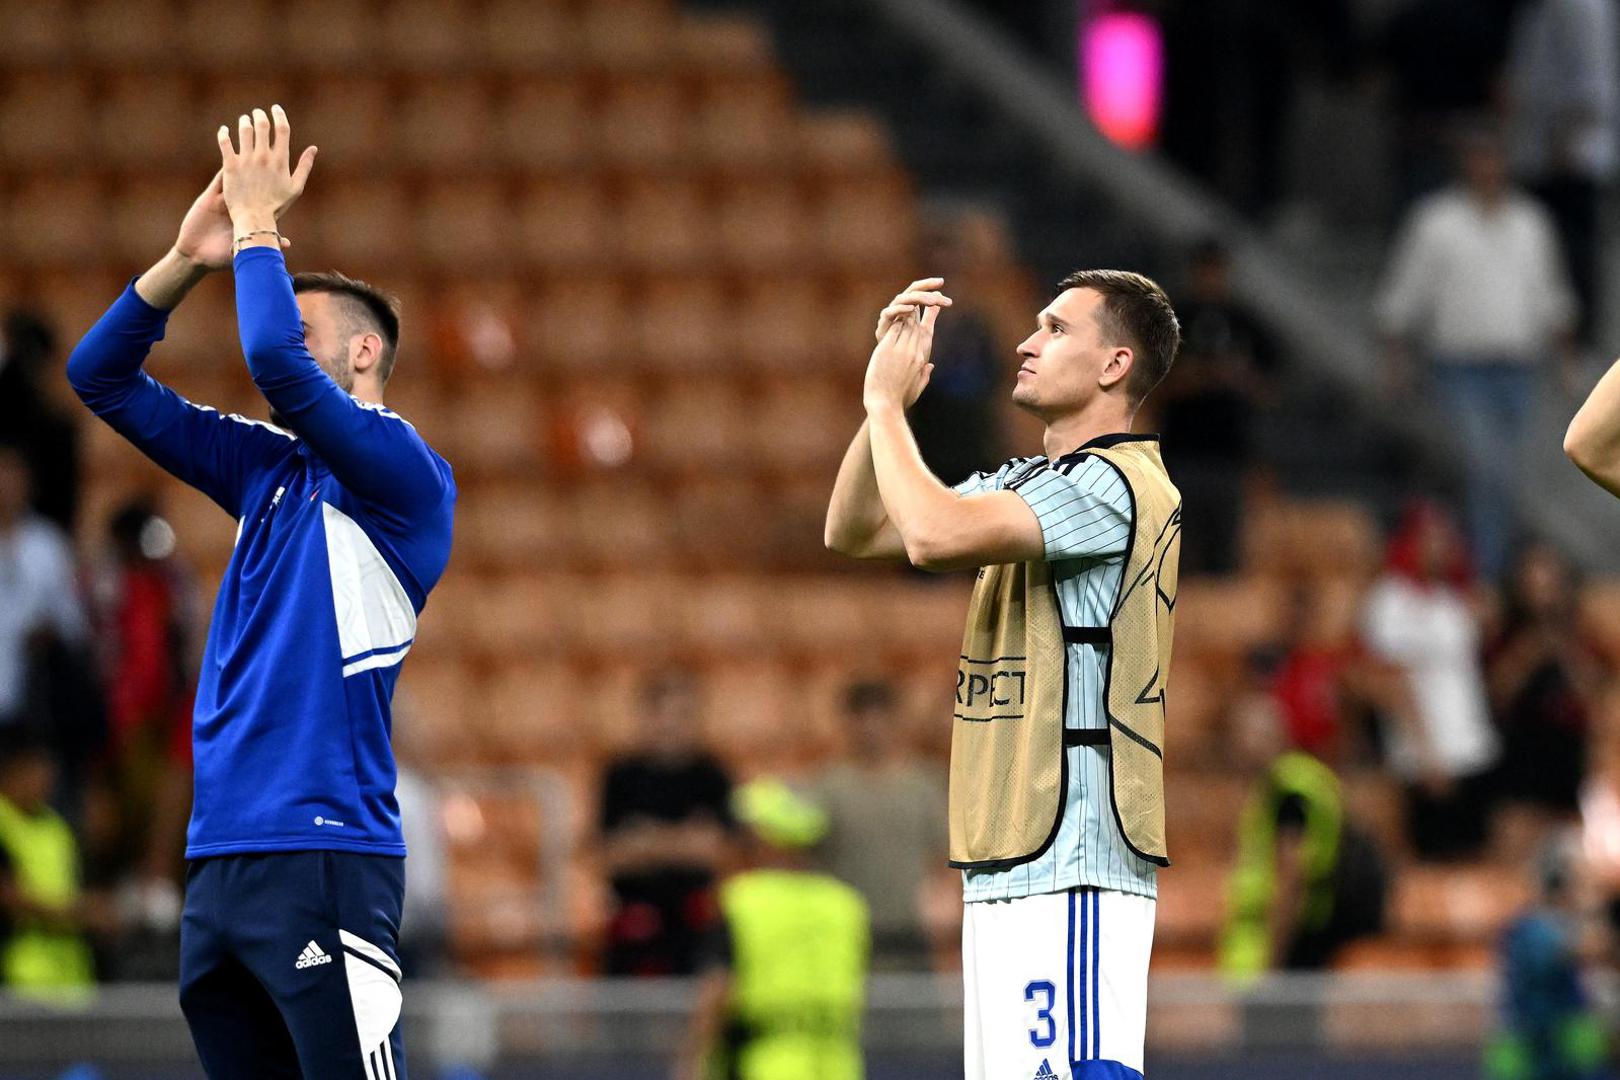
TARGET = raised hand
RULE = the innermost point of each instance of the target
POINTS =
(910, 301)
(205, 233)
(899, 368)
(258, 180)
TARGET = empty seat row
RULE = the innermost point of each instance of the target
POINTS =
(409, 35)
(733, 124)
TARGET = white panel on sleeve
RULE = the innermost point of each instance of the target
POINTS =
(375, 620)
(1084, 508)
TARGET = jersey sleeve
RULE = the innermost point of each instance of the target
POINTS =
(213, 453)
(1084, 507)
(371, 450)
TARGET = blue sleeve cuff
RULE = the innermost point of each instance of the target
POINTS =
(247, 256)
(134, 312)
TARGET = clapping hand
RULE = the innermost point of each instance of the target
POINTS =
(258, 181)
(899, 368)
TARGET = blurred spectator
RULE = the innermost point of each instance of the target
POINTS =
(1209, 405)
(784, 969)
(1542, 683)
(665, 816)
(1419, 617)
(423, 927)
(30, 421)
(955, 420)
(43, 911)
(1308, 881)
(1549, 1031)
(1564, 101)
(887, 823)
(1476, 282)
(1315, 682)
(1430, 97)
(145, 606)
(39, 600)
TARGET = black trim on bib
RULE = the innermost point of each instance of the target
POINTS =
(1100, 636)
(1086, 737)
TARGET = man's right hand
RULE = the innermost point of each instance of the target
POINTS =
(205, 234)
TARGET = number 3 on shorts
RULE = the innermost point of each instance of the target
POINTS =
(1036, 1038)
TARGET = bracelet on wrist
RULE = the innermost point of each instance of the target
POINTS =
(236, 245)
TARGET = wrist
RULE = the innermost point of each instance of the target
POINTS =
(252, 219)
(878, 408)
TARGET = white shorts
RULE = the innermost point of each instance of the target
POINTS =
(1056, 985)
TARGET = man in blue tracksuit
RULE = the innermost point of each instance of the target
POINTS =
(289, 963)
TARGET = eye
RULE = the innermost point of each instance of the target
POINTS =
(1057, 328)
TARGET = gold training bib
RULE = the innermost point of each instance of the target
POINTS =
(1009, 766)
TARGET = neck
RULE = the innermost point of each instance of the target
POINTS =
(1104, 415)
(368, 390)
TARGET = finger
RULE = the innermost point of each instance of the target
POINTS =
(244, 135)
(930, 316)
(217, 184)
(925, 283)
(261, 131)
(306, 162)
(285, 243)
(922, 299)
(282, 130)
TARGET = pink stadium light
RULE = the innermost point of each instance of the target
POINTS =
(1122, 76)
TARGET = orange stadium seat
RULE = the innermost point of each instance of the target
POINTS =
(751, 716)
(224, 98)
(730, 613)
(843, 142)
(781, 324)
(56, 220)
(626, 614)
(1599, 616)
(493, 427)
(450, 123)
(135, 120)
(763, 225)
(544, 124)
(439, 711)
(721, 42)
(461, 224)
(38, 32)
(75, 299)
(238, 35)
(866, 220)
(597, 426)
(351, 119)
(521, 615)
(618, 522)
(576, 324)
(146, 215)
(698, 424)
(127, 32)
(664, 224)
(1226, 617)
(565, 224)
(333, 35)
(528, 35)
(540, 711)
(626, 34)
(643, 123)
(817, 616)
(745, 121)
(1456, 903)
(805, 423)
(423, 35)
(683, 324)
(358, 225)
(42, 120)
(201, 335)
(719, 521)
(511, 527)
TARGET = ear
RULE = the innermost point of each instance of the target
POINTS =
(365, 351)
(1117, 370)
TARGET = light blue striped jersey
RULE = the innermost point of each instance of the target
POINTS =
(1084, 507)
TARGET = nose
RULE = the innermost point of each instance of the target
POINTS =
(1027, 350)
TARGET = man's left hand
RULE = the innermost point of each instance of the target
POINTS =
(899, 368)
(259, 180)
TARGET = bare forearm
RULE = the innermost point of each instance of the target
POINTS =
(915, 500)
(1593, 439)
(169, 280)
(857, 523)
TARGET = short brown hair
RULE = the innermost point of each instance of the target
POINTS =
(1136, 311)
(364, 302)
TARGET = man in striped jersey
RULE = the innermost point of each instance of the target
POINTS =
(1059, 907)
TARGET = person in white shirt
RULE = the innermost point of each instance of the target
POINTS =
(38, 593)
(1563, 83)
(1418, 618)
(1477, 285)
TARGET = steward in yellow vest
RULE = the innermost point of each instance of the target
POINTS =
(42, 952)
(1306, 881)
(786, 985)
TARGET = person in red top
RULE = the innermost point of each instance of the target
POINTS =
(147, 623)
